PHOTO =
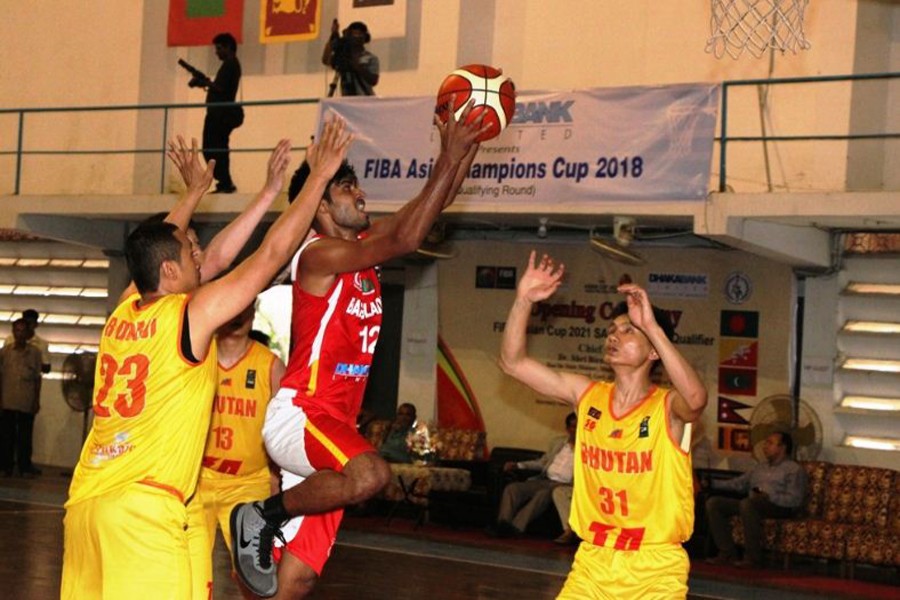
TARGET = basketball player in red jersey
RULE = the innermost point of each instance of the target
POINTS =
(632, 502)
(310, 427)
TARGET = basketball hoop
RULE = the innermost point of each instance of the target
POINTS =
(757, 26)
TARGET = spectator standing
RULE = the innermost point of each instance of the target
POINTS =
(31, 317)
(20, 397)
(356, 68)
(221, 120)
(524, 501)
(775, 488)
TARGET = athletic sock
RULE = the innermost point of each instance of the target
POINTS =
(273, 510)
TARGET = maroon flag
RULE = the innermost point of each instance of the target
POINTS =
(288, 20)
(728, 411)
(197, 22)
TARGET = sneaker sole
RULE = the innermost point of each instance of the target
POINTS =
(235, 544)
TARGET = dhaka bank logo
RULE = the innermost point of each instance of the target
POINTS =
(363, 284)
(738, 288)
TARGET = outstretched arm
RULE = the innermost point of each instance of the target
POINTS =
(538, 283)
(691, 397)
(218, 301)
(197, 179)
(226, 245)
(402, 232)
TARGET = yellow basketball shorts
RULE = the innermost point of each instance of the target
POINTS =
(128, 543)
(211, 506)
(647, 574)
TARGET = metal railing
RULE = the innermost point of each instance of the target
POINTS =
(20, 152)
(724, 140)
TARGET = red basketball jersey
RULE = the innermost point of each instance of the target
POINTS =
(333, 338)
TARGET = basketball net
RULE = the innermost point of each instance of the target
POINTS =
(757, 26)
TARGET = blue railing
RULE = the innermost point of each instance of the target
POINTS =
(724, 139)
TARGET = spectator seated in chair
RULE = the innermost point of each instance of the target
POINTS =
(775, 488)
(523, 501)
(394, 448)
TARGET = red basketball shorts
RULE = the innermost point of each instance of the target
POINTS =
(303, 441)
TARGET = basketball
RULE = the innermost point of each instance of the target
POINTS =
(494, 94)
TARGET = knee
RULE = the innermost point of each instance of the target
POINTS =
(748, 508)
(368, 477)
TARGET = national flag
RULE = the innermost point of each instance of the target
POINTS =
(738, 352)
(197, 22)
(288, 20)
(739, 323)
(737, 382)
(728, 411)
(734, 439)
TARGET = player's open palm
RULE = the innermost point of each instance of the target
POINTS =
(277, 166)
(541, 279)
(194, 173)
(640, 311)
(326, 154)
(459, 135)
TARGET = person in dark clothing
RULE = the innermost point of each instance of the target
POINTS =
(221, 120)
(356, 68)
(20, 400)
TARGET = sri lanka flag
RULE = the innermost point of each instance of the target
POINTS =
(197, 22)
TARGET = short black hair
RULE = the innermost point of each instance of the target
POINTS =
(29, 314)
(161, 216)
(571, 417)
(145, 250)
(227, 40)
(300, 176)
(787, 441)
(661, 316)
(361, 27)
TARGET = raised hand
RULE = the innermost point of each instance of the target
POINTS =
(277, 167)
(457, 136)
(640, 311)
(195, 175)
(326, 154)
(541, 279)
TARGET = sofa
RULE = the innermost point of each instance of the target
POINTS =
(851, 514)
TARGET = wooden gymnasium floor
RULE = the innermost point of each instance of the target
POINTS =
(372, 560)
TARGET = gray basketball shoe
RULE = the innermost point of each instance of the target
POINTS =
(252, 539)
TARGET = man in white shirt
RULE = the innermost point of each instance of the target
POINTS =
(524, 501)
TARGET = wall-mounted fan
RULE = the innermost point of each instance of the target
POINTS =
(78, 384)
(774, 414)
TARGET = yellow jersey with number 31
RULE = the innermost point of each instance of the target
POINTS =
(633, 482)
(151, 404)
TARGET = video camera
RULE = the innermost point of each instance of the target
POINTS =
(198, 77)
(341, 54)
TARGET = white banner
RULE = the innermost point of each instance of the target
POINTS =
(611, 144)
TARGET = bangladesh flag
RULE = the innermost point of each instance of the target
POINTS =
(197, 22)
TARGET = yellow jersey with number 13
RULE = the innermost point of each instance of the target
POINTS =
(633, 482)
(235, 446)
(151, 404)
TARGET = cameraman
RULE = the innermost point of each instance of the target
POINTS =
(356, 67)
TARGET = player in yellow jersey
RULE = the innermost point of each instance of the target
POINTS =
(235, 464)
(633, 499)
(156, 376)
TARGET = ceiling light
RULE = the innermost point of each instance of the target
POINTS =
(890, 289)
(871, 403)
(871, 364)
(542, 227)
(872, 443)
(872, 327)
